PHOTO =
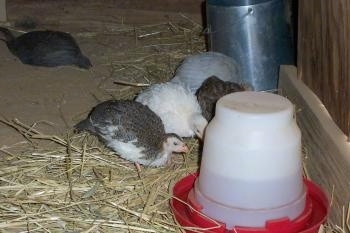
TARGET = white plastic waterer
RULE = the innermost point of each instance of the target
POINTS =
(251, 168)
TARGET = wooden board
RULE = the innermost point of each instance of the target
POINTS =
(327, 148)
(3, 16)
(324, 55)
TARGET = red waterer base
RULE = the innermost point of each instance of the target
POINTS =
(187, 213)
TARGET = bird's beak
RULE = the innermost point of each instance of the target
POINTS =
(184, 149)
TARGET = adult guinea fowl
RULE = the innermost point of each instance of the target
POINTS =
(133, 131)
(45, 48)
(195, 69)
(211, 90)
(177, 107)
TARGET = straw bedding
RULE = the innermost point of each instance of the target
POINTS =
(72, 183)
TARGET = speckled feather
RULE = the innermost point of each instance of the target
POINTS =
(211, 90)
(128, 122)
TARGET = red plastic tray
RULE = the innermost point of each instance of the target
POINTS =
(187, 213)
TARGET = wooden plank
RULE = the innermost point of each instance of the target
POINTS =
(324, 55)
(184, 6)
(187, 6)
(327, 148)
(61, 15)
(3, 16)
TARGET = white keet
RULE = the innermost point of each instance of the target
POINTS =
(178, 108)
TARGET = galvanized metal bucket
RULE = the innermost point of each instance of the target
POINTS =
(256, 33)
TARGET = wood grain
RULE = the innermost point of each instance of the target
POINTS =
(324, 55)
(327, 148)
(3, 15)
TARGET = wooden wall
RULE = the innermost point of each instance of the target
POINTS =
(3, 16)
(324, 54)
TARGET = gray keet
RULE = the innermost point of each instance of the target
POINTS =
(133, 131)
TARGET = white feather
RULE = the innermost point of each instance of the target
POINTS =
(131, 152)
(194, 70)
(126, 150)
(161, 160)
(174, 104)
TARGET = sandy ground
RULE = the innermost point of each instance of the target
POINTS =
(56, 98)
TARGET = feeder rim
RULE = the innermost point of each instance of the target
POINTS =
(236, 2)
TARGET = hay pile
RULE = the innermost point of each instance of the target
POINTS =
(72, 183)
(77, 185)
(158, 50)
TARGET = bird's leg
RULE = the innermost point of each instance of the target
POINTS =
(138, 167)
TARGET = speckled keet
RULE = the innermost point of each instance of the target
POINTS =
(211, 90)
(133, 131)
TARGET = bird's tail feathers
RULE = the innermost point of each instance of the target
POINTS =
(84, 62)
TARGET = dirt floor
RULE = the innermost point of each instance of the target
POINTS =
(56, 98)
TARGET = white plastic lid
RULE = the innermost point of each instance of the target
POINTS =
(251, 163)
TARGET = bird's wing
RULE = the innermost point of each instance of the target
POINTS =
(124, 135)
(114, 123)
(59, 57)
